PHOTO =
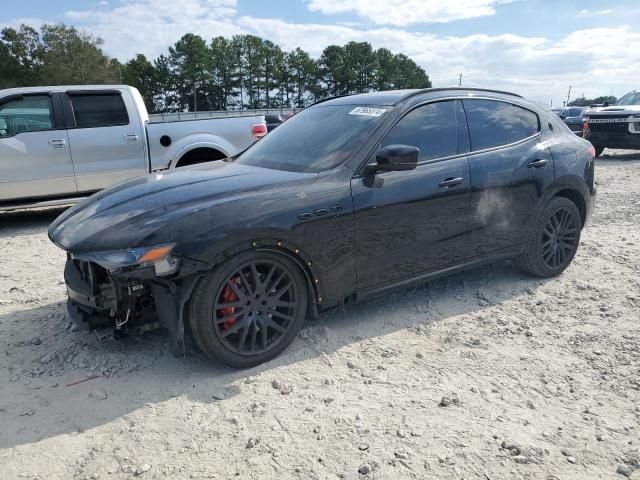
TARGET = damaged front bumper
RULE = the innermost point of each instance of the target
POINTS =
(129, 299)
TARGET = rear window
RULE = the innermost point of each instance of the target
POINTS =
(571, 112)
(99, 110)
(493, 123)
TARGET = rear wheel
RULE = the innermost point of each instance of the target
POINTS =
(249, 309)
(553, 240)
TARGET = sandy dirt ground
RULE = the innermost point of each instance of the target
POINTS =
(490, 374)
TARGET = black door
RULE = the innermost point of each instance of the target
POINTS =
(509, 167)
(415, 221)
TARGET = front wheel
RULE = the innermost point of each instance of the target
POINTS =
(553, 239)
(248, 310)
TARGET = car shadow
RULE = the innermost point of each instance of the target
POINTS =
(27, 221)
(59, 381)
(628, 157)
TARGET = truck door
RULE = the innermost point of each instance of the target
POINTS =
(35, 160)
(106, 137)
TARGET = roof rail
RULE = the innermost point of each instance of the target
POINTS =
(331, 98)
(444, 89)
(425, 90)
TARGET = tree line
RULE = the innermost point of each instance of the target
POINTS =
(241, 72)
(586, 102)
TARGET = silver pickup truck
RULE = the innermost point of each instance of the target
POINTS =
(60, 144)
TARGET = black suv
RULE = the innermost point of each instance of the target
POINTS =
(348, 199)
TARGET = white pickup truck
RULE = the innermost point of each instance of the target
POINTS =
(615, 126)
(60, 144)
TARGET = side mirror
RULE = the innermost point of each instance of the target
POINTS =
(393, 158)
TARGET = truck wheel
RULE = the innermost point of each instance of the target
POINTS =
(248, 310)
(599, 150)
(553, 240)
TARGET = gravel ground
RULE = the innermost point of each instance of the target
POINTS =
(489, 374)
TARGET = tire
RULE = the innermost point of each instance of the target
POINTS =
(249, 309)
(553, 239)
(599, 150)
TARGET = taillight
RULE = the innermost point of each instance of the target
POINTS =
(259, 130)
(592, 151)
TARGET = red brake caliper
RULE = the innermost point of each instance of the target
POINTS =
(229, 296)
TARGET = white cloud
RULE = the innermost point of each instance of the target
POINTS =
(596, 13)
(150, 26)
(31, 21)
(533, 66)
(404, 12)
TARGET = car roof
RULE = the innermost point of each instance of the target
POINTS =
(395, 97)
(58, 88)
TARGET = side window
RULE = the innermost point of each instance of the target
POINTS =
(26, 114)
(99, 110)
(493, 123)
(432, 128)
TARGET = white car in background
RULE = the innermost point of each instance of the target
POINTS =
(615, 126)
(60, 144)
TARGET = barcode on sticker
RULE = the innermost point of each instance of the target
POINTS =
(368, 111)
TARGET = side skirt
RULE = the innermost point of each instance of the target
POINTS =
(367, 293)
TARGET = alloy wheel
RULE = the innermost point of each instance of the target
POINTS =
(255, 306)
(560, 238)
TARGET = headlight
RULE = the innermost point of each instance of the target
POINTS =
(158, 256)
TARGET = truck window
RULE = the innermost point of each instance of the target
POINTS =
(99, 110)
(26, 114)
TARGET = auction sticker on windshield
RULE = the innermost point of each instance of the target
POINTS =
(368, 111)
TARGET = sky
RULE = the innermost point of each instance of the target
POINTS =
(536, 48)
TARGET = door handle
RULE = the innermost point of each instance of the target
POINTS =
(537, 163)
(450, 182)
(131, 137)
(57, 143)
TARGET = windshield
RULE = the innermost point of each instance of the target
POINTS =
(316, 139)
(632, 98)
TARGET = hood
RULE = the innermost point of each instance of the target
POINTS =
(125, 214)
(614, 110)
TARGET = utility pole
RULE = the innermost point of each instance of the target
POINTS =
(568, 95)
(460, 80)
